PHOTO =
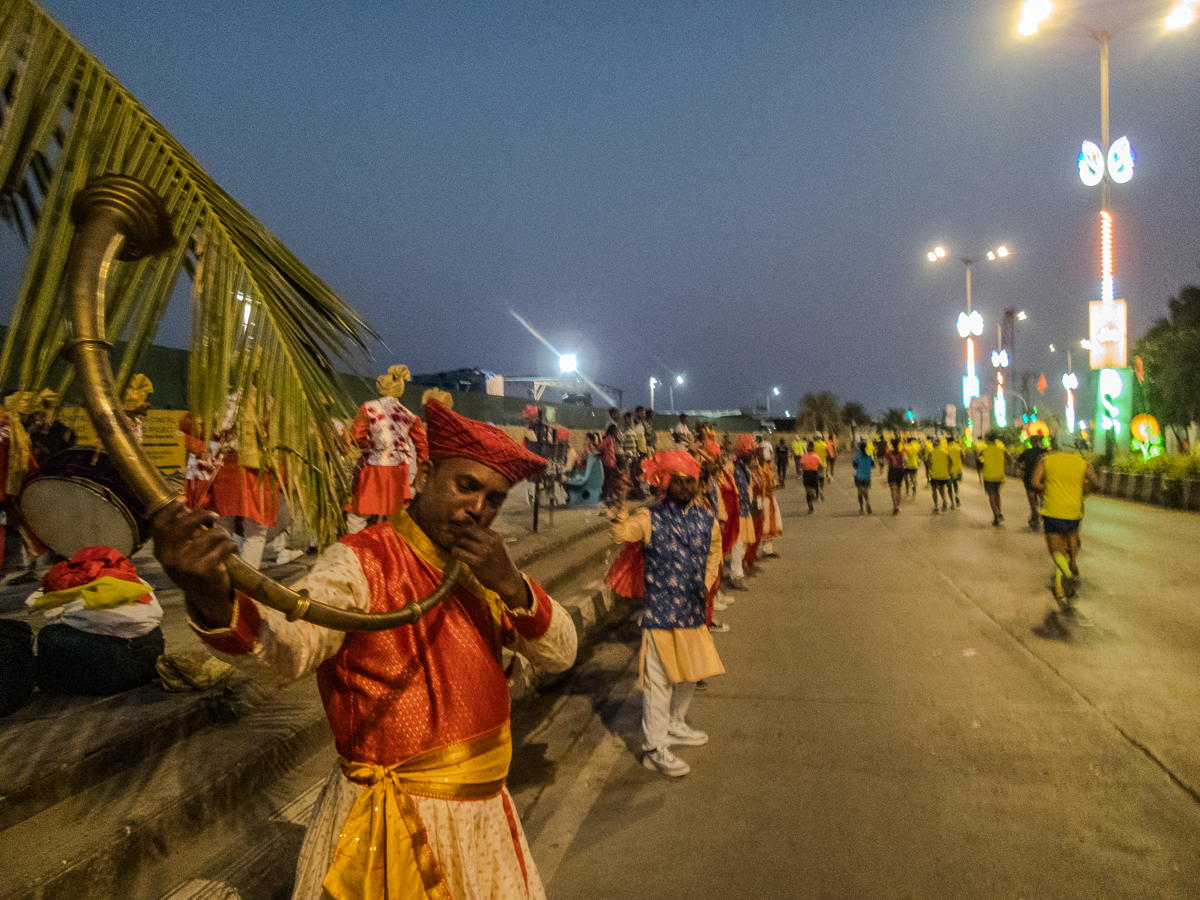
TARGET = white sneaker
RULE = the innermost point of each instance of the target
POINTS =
(685, 734)
(720, 605)
(718, 627)
(663, 760)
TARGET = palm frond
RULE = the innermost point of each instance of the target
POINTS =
(259, 315)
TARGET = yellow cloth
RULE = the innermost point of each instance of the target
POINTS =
(822, 450)
(993, 461)
(939, 464)
(955, 451)
(688, 654)
(391, 383)
(20, 449)
(384, 851)
(912, 454)
(442, 397)
(137, 393)
(1065, 473)
(105, 592)
(191, 671)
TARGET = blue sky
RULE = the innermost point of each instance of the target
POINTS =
(740, 192)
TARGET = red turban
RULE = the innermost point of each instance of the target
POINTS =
(563, 434)
(455, 436)
(745, 445)
(666, 463)
(712, 449)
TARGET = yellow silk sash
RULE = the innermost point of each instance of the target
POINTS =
(383, 851)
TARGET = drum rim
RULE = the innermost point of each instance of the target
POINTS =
(96, 488)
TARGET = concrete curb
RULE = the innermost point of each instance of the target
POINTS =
(84, 818)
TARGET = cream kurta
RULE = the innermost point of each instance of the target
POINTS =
(459, 831)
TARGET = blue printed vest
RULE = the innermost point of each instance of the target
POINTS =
(675, 562)
(741, 478)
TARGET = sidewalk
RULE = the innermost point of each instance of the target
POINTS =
(103, 796)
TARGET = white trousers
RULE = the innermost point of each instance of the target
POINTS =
(252, 541)
(735, 560)
(663, 703)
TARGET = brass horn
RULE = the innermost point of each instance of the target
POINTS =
(120, 218)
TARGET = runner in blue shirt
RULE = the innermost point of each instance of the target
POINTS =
(862, 476)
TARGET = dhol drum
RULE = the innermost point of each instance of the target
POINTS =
(78, 500)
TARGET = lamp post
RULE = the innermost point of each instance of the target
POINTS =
(653, 382)
(969, 322)
(678, 379)
(1103, 165)
(774, 391)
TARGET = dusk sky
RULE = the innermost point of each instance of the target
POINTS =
(741, 192)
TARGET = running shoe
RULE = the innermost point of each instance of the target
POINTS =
(663, 760)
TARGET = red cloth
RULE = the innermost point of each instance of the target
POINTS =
(733, 523)
(394, 694)
(250, 493)
(666, 463)
(378, 490)
(86, 566)
(627, 575)
(455, 436)
(745, 445)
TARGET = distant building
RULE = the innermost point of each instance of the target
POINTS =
(475, 381)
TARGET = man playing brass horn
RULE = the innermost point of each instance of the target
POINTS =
(420, 714)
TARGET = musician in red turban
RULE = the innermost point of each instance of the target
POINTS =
(417, 806)
(681, 561)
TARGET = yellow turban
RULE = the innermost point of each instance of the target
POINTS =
(46, 398)
(392, 384)
(442, 397)
(20, 449)
(138, 393)
(22, 403)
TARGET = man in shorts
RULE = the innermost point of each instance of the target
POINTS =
(954, 448)
(1029, 460)
(1062, 479)
(810, 465)
(939, 474)
(822, 450)
(991, 466)
(912, 459)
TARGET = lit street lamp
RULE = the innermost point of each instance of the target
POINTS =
(774, 391)
(567, 363)
(1104, 164)
(653, 382)
(969, 322)
(671, 387)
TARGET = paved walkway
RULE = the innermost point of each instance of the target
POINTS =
(904, 715)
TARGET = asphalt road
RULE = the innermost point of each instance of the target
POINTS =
(904, 715)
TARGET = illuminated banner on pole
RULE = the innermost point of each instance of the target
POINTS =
(1114, 407)
(1107, 334)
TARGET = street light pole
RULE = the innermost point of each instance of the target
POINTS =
(653, 382)
(678, 379)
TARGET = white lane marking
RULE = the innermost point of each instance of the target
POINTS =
(559, 832)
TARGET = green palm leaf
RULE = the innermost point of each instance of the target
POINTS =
(260, 318)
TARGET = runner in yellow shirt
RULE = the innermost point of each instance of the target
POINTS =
(939, 474)
(956, 469)
(912, 459)
(1062, 479)
(991, 465)
(822, 450)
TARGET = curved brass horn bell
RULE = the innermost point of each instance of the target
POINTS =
(120, 218)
